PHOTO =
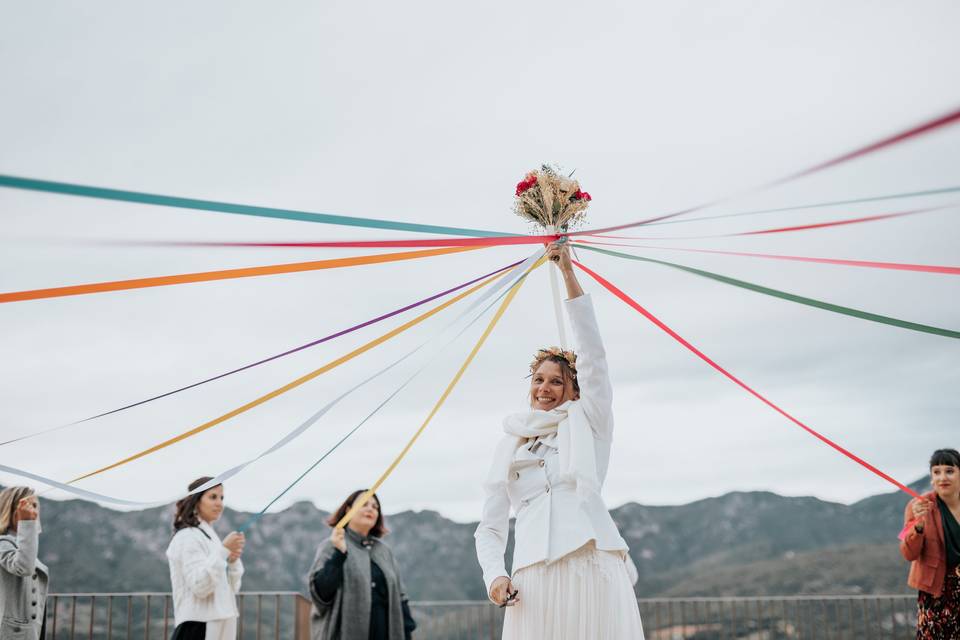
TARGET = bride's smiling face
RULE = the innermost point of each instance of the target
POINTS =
(549, 387)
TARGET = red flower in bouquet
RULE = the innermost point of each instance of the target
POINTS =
(581, 195)
(526, 183)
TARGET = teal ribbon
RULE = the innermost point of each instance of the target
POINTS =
(46, 186)
(783, 295)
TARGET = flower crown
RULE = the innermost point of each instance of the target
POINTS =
(557, 352)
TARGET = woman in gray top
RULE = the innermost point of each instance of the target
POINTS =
(355, 582)
(23, 578)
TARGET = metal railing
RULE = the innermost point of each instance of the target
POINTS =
(273, 615)
(781, 618)
(285, 615)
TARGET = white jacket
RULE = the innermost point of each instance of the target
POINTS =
(23, 583)
(552, 519)
(204, 583)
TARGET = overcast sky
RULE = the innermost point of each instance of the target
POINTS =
(431, 112)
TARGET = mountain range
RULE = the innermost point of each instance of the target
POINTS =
(740, 543)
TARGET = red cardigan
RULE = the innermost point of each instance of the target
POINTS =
(926, 551)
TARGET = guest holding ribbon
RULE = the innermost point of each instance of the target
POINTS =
(355, 582)
(205, 572)
(570, 574)
(23, 578)
(931, 542)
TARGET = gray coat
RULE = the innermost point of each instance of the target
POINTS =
(348, 616)
(23, 583)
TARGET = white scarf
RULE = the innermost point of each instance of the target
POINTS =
(578, 460)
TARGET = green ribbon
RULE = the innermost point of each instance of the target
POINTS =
(810, 302)
(47, 186)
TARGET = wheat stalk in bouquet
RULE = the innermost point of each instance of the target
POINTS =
(551, 200)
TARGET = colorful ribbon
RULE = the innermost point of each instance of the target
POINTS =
(802, 227)
(948, 119)
(100, 193)
(840, 223)
(100, 497)
(898, 266)
(206, 276)
(673, 334)
(783, 295)
(255, 517)
(222, 477)
(291, 385)
(265, 360)
(368, 244)
(360, 501)
(817, 205)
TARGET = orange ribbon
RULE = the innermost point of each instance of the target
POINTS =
(226, 274)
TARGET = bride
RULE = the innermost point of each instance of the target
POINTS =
(570, 565)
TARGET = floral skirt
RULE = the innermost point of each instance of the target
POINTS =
(585, 594)
(939, 618)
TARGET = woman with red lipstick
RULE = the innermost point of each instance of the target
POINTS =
(355, 581)
(205, 572)
(570, 575)
(932, 544)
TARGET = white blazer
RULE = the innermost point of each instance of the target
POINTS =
(552, 518)
(204, 583)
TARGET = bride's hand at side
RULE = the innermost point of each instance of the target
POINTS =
(500, 591)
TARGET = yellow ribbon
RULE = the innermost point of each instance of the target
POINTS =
(296, 383)
(360, 501)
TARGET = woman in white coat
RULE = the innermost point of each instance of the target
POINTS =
(23, 578)
(570, 573)
(205, 572)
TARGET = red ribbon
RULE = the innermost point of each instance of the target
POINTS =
(947, 119)
(942, 121)
(356, 244)
(673, 334)
(899, 266)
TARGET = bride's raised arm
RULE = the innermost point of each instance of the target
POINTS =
(593, 376)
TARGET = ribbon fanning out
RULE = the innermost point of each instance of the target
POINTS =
(783, 295)
(290, 385)
(673, 334)
(516, 273)
(226, 274)
(947, 119)
(365, 244)
(360, 501)
(816, 205)
(870, 264)
(255, 517)
(313, 343)
(926, 127)
(801, 227)
(63, 188)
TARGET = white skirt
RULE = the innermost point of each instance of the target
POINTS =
(585, 594)
(225, 629)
